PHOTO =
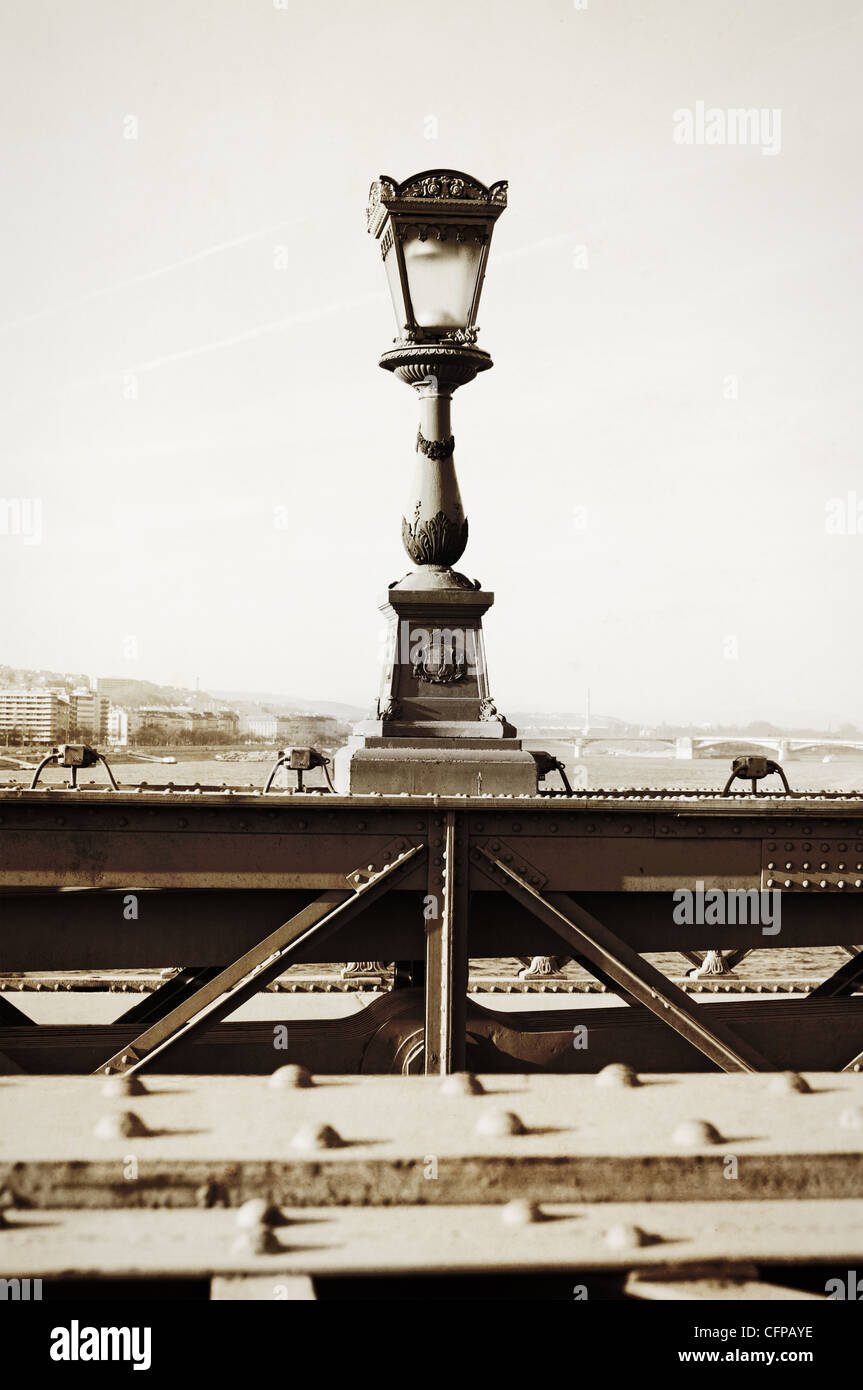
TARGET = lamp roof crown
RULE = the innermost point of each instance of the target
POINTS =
(447, 191)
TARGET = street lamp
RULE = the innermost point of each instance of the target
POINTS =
(434, 232)
(436, 726)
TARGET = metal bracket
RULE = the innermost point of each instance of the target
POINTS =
(381, 862)
(503, 851)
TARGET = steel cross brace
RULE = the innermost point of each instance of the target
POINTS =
(447, 950)
(841, 982)
(587, 937)
(259, 966)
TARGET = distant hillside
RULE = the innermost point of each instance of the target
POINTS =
(292, 704)
(123, 691)
(30, 676)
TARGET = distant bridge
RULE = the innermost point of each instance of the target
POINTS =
(686, 747)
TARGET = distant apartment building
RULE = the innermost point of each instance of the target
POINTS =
(180, 721)
(221, 721)
(118, 726)
(257, 723)
(33, 716)
(161, 716)
(310, 730)
(89, 714)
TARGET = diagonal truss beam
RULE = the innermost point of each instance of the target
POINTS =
(258, 966)
(841, 982)
(588, 937)
(12, 1016)
(180, 986)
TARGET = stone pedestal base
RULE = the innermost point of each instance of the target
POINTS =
(436, 728)
(445, 766)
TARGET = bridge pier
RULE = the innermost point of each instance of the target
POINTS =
(683, 748)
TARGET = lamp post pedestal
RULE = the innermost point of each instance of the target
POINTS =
(437, 728)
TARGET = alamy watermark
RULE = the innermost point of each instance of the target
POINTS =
(22, 516)
(760, 127)
(720, 907)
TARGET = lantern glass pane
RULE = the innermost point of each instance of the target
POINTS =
(441, 278)
(392, 268)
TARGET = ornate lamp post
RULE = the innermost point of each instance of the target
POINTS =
(437, 727)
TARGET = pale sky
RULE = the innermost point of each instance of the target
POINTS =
(191, 319)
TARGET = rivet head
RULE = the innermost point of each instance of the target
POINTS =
(122, 1124)
(291, 1077)
(521, 1213)
(624, 1236)
(313, 1137)
(258, 1240)
(257, 1212)
(617, 1075)
(116, 1086)
(785, 1082)
(693, 1134)
(496, 1124)
(851, 1117)
(462, 1083)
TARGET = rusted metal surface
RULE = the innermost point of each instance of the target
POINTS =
(414, 1140)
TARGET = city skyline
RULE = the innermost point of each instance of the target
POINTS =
(587, 714)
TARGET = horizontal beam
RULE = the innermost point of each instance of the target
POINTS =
(820, 1037)
(569, 1140)
(93, 930)
(325, 1241)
